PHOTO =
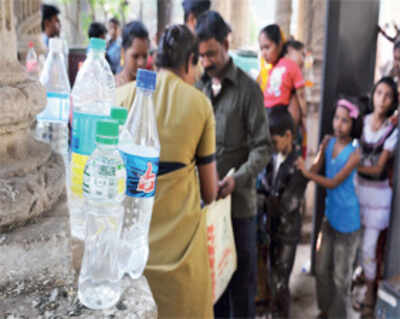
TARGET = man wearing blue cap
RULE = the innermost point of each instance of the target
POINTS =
(192, 9)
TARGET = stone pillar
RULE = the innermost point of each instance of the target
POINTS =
(237, 14)
(32, 170)
(28, 19)
(283, 14)
(311, 31)
(31, 176)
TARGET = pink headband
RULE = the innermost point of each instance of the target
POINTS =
(352, 108)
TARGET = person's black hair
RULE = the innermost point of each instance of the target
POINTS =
(280, 121)
(176, 45)
(131, 31)
(97, 30)
(48, 12)
(114, 21)
(297, 45)
(392, 84)
(210, 25)
(273, 32)
(195, 7)
(356, 123)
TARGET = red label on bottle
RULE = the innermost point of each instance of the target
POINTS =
(147, 181)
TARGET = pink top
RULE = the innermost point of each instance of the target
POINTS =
(282, 79)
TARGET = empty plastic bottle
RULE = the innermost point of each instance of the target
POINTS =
(92, 97)
(52, 122)
(140, 148)
(104, 191)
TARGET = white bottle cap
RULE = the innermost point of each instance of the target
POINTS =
(55, 44)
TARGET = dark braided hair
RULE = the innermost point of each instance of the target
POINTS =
(176, 45)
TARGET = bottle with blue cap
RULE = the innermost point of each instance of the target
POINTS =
(92, 97)
(140, 148)
(104, 192)
(52, 123)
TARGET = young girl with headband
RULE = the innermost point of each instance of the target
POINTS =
(338, 240)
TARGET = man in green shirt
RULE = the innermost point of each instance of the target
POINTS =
(243, 142)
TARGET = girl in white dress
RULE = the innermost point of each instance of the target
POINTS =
(378, 143)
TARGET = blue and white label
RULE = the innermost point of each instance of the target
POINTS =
(84, 132)
(141, 175)
(57, 108)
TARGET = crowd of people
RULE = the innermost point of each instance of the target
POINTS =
(211, 117)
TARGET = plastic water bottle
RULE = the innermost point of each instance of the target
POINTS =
(140, 149)
(92, 97)
(32, 62)
(119, 114)
(52, 122)
(104, 191)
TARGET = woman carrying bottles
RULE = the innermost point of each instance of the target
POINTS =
(178, 268)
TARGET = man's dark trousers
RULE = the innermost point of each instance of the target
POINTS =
(238, 300)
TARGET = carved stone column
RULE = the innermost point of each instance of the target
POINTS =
(283, 15)
(31, 176)
(236, 13)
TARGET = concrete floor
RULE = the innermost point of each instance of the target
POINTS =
(302, 286)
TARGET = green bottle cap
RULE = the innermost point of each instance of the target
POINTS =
(97, 44)
(119, 114)
(107, 132)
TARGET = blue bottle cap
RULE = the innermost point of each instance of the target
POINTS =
(146, 79)
(97, 44)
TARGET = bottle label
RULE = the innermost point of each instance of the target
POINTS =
(102, 181)
(141, 175)
(57, 108)
(82, 145)
(78, 163)
(84, 132)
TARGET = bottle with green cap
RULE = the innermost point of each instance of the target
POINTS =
(119, 114)
(104, 191)
(92, 97)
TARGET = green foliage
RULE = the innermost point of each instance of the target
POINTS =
(111, 8)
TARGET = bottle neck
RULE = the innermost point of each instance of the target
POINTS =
(96, 53)
(146, 92)
(106, 147)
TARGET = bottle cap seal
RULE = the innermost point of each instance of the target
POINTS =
(146, 79)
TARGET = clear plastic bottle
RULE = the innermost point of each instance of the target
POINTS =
(52, 122)
(140, 148)
(92, 97)
(104, 190)
(32, 62)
